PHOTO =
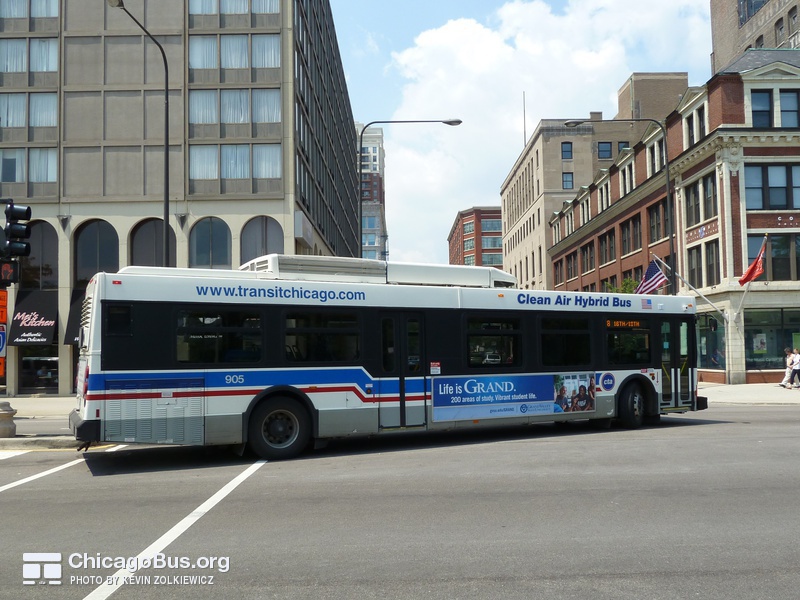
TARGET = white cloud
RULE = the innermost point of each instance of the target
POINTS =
(567, 64)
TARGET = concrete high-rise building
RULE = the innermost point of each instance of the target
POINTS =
(374, 237)
(558, 161)
(260, 148)
(737, 25)
(476, 237)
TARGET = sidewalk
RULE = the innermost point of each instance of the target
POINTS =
(38, 416)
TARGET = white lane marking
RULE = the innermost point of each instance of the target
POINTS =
(105, 590)
(8, 486)
(9, 453)
(115, 448)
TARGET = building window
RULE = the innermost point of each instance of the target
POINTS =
(267, 161)
(491, 259)
(604, 150)
(656, 230)
(622, 146)
(147, 244)
(96, 250)
(790, 108)
(608, 250)
(233, 52)
(781, 257)
(566, 181)
(701, 122)
(772, 187)
(762, 108)
(587, 257)
(695, 267)
(203, 7)
(692, 199)
(266, 51)
(13, 56)
(203, 52)
(710, 208)
(210, 244)
(792, 20)
(712, 263)
(469, 244)
(631, 233)
(491, 241)
(235, 163)
(690, 131)
(12, 110)
(12, 165)
(261, 236)
(469, 227)
(203, 162)
(780, 34)
(43, 110)
(491, 225)
(572, 265)
(43, 165)
(566, 150)
(39, 270)
(558, 272)
(767, 332)
(44, 55)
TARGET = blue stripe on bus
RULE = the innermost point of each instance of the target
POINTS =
(256, 378)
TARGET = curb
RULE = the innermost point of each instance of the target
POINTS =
(50, 442)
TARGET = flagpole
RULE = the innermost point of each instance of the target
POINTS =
(691, 287)
(760, 256)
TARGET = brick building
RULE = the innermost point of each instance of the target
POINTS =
(476, 237)
(738, 25)
(734, 165)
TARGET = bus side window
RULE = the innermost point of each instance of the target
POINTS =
(387, 345)
(119, 321)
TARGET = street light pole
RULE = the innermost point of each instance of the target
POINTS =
(670, 203)
(165, 228)
(451, 122)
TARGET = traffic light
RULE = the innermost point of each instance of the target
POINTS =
(16, 233)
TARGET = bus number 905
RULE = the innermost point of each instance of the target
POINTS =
(230, 379)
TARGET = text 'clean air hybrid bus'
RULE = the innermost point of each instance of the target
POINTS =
(290, 350)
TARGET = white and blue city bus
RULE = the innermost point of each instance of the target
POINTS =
(294, 350)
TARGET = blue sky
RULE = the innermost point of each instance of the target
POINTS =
(473, 60)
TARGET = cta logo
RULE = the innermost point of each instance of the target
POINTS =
(607, 382)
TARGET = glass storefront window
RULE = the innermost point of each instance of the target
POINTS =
(766, 333)
(711, 341)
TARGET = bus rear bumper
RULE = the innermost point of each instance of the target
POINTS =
(84, 431)
(701, 403)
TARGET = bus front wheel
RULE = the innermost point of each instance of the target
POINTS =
(631, 406)
(278, 429)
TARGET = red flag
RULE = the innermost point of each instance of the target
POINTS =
(757, 268)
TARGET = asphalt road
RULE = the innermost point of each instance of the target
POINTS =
(701, 506)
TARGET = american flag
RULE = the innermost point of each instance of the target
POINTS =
(653, 279)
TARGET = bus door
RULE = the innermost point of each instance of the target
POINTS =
(402, 386)
(677, 358)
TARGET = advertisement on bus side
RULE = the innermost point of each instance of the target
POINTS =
(502, 396)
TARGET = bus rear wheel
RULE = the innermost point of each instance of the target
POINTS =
(631, 406)
(278, 429)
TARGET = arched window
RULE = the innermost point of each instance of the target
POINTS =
(260, 236)
(147, 244)
(210, 244)
(96, 250)
(39, 271)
